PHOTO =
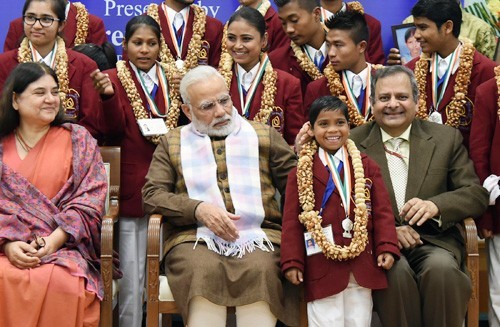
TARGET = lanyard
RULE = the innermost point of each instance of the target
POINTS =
(336, 182)
(436, 81)
(350, 94)
(246, 99)
(164, 87)
(37, 57)
(177, 47)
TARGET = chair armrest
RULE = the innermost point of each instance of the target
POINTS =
(153, 257)
(107, 241)
(469, 232)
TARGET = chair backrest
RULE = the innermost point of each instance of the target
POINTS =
(111, 155)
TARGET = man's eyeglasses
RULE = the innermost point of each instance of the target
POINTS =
(224, 101)
(45, 21)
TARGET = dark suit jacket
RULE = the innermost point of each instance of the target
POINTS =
(96, 33)
(213, 36)
(440, 171)
(324, 277)
(485, 145)
(276, 36)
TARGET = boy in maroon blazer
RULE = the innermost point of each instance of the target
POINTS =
(95, 33)
(348, 70)
(305, 56)
(357, 202)
(374, 50)
(485, 153)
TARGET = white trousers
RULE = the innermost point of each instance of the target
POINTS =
(133, 243)
(203, 313)
(350, 308)
(493, 246)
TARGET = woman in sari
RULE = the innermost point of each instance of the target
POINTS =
(259, 92)
(43, 22)
(138, 97)
(50, 218)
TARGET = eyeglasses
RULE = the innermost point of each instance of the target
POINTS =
(45, 21)
(224, 101)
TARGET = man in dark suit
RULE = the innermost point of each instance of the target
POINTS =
(437, 189)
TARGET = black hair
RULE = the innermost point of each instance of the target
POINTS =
(409, 33)
(58, 6)
(327, 103)
(104, 56)
(251, 16)
(18, 81)
(139, 21)
(308, 5)
(440, 11)
(351, 21)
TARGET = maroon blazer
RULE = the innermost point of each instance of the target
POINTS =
(288, 97)
(485, 145)
(375, 52)
(284, 59)
(319, 88)
(324, 277)
(213, 36)
(276, 36)
(482, 70)
(96, 33)
(136, 150)
(81, 86)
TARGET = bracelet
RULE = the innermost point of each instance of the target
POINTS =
(40, 241)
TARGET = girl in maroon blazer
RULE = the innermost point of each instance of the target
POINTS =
(338, 229)
(43, 21)
(139, 104)
(259, 92)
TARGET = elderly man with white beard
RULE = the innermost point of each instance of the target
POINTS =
(215, 180)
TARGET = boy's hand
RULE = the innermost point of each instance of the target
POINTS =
(385, 260)
(294, 275)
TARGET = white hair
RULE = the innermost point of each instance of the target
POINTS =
(197, 75)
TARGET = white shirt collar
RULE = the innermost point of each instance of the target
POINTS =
(405, 135)
(330, 14)
(448, 59)
(152, 76)
(311, 51)
(171, 13)
(246, 78)
(363, 74)
(67, 10)
(338, 157)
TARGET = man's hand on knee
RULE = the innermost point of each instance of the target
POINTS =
(218, 220)
(408, 238)
(294, 275)
(418, 211)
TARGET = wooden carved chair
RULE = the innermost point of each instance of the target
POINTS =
(109, 304)
(159, 296)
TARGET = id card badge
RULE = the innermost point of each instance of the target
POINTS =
(311, 246)
(152, 126)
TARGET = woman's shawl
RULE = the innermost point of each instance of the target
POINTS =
(77, 209)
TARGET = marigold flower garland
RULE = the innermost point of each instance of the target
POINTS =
(456, 108)
(61, 63)
(82, 23)
(311, 218)
(305, 62)
(497, 78)
(135, 100)
(337, 89)
(194, 47)
(356, 6)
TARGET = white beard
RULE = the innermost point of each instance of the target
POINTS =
(209, 130)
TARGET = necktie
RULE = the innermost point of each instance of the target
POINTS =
(179, 27)
(154, 91)
(318, 59)
(357, 84)
(398, 171)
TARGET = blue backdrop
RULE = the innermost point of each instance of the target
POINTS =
(116, 13)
